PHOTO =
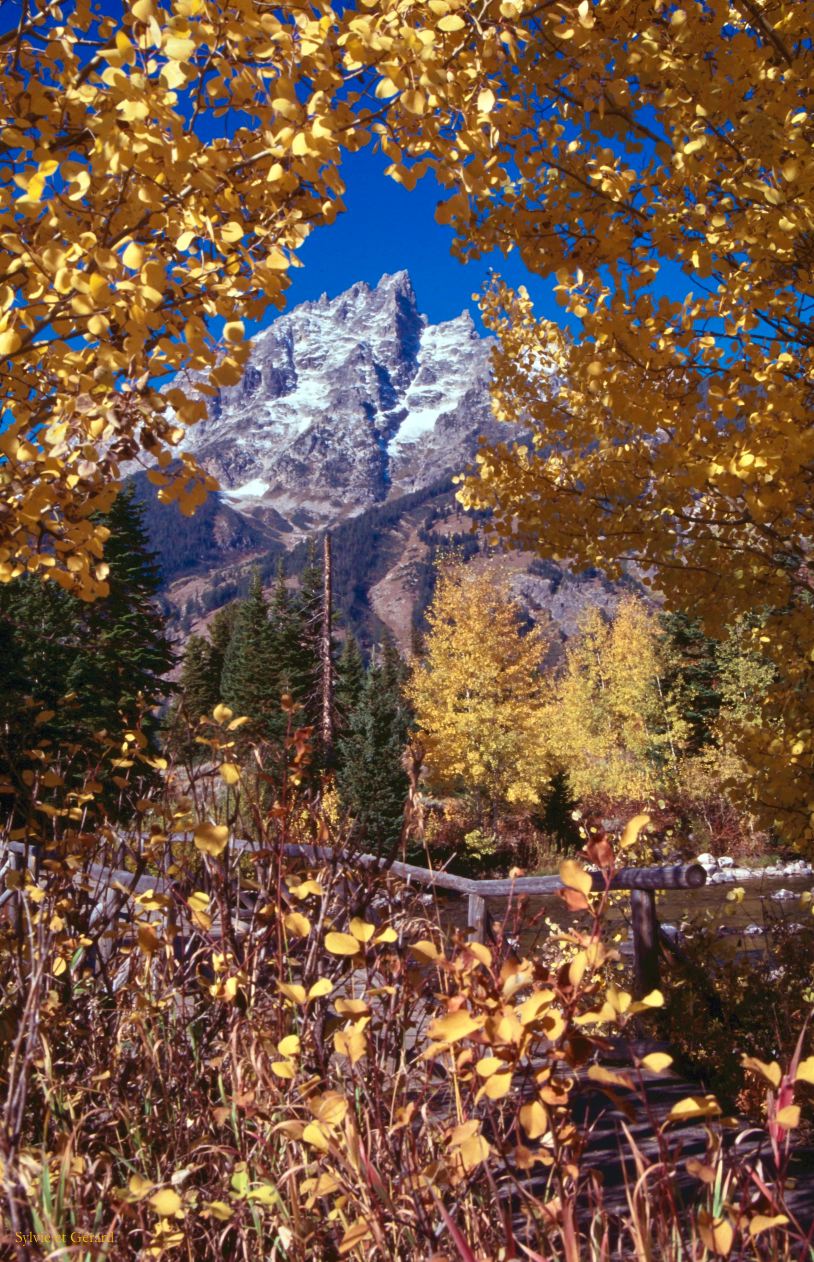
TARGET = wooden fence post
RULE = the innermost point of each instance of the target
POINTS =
(645, 942)
(476, 918)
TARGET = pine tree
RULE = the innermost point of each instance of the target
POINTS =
(220, 631)
(370, 777)
(249, 681)
(350, 680)
(286, 631)
(691, 677)
(121, 670)
(78, 675)
(199, 693)
(40, 636)
(307, 667)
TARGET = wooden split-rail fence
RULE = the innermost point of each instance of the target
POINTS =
(643, 883)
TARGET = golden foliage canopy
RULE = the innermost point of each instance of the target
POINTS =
(655, 158)
(162, 168)
(478, 693)
(611, 726)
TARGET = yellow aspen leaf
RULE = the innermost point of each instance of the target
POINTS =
(10, 341)
(575, 877)
(290, 1045)
(352, 1007)
(330, 1107)
(230, 988)
(148, 940)
(497, 1085)
(305, 888)
(386, 88)
(657, 1062)
(530, 1009)
(632, 829)
(473, 1151)
(362, 930)
(138, 1187)
(480, 952)
(230, 772)
(211, 839)
(179, 49)
(762, 1222)
(789, 1116)
(293, 991)
(219, 1210)
(297, 924)
(284, 1069)
(317, 1136)
(534, 1119)
(426, 951)
(653, 999)
(231, 232)
(488, 1065)
(222, 713)
(771, 1072)
(320, 988)
(805, 1070)
(452, 22)
(341, 943)
(133, 257)
(233, 331)
(486, 101)
(355, 1235)
(351, 1043)
(454, 1026)
(718, 1234)
(388, 934)
(692, 1107)
(598, 1073)
(414, 101)
(166, 1202)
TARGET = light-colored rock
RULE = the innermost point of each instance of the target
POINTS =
(782, 894)
(707, 861)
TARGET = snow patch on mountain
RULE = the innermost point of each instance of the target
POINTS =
(252, 490)
(346, 402)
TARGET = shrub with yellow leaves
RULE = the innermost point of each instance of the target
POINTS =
(276, 1054)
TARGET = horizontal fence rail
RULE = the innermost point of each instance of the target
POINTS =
(641, 882)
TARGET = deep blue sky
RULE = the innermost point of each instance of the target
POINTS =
(386, 228)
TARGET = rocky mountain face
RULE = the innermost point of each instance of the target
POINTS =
(352, 414)
(346, 403)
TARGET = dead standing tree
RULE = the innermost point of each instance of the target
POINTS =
(326, 655)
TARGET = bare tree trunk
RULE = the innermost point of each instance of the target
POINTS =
(327, 682)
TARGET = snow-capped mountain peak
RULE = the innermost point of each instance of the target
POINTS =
(346, 402)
